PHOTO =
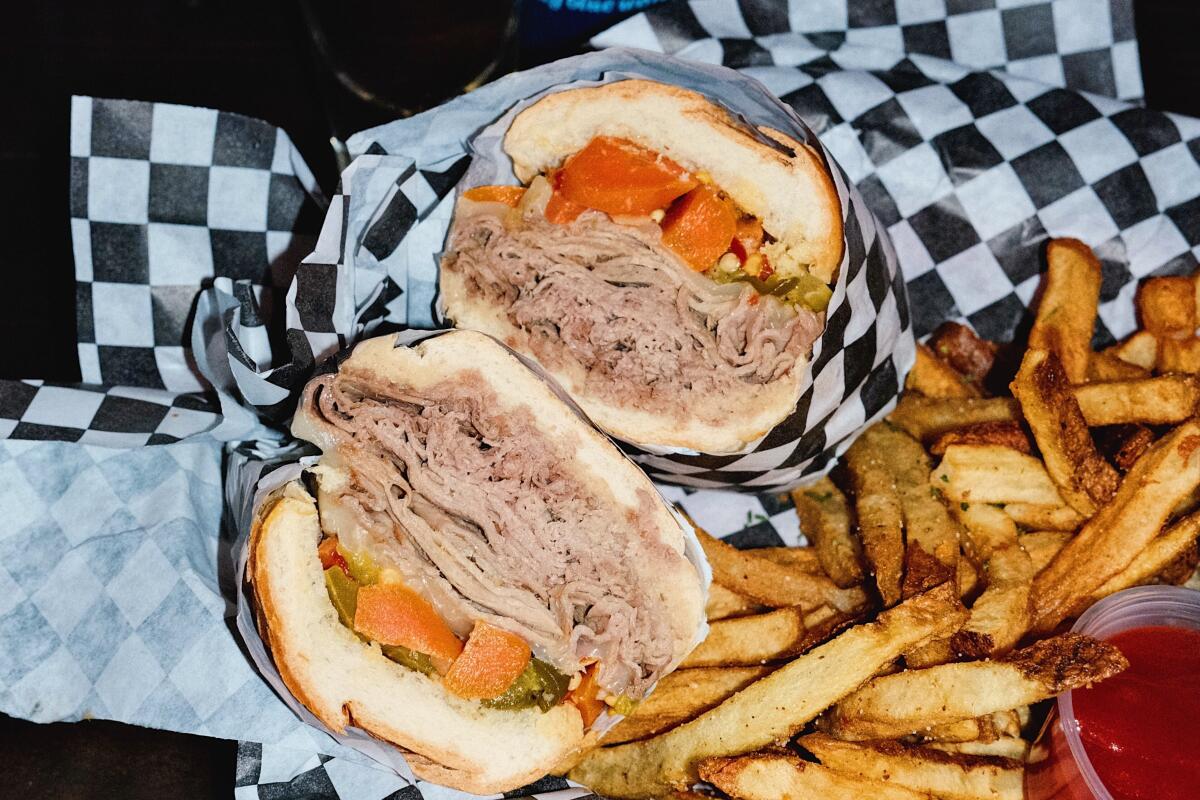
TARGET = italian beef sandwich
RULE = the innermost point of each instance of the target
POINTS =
(470, 572)
(667, 263)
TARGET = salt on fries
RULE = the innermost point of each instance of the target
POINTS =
(905, 645)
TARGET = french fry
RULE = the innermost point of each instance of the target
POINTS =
(1066, 314)
(1166, 475)
(803, 559)
(1105, 366)
(1164, 400)
(926, 522)
(1005, 434)
(966, 353)
(825, 520)
(681, 695)
(1179, 355)
(1044, 517)
(1043, 546)
(926, 418)
(1158, 555)
(1140, 349)
(1084, 478)
(774, 775)
(953, 776)
(756, 639)
(772, 584)
(1001, 615)
(774, 708)
(725, 603)
(880, 516)
(1167, 306)
(933, 377)
(975, 729)
(1124, 444)
(905, 703)
(977, 473)
(1012, 747)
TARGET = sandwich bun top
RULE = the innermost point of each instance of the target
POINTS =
(792, 194)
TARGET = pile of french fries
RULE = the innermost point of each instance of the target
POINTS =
(898, 654)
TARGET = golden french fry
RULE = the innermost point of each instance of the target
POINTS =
(977, 729)
(803, 559)
(908, 702)
(1006, 434)
(1001, 615)
(880, 516)
(1066, 314)
(1179, 355)
(922, 769)
(1140, 349)
(933, 377)
(1154, 401)
(926, 521)
(1166, 475)
(1105, 366)
(1158, 555)
(1125, 444)
(756, 639)
(927, 418)
(1043, 546)
(1083, 477)
(981, 473)
(679, 696)
(724, 603)
(1167, 306)
(774, 708)
(773, 775)
(825, 520)
(1043, 517)
(1012, 747)
(773, 584)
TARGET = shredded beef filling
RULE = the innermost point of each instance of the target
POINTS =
(610, 296)
(471, 508)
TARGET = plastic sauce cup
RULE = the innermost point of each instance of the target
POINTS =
(1059, 767)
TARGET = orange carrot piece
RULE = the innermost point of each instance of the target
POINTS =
(508, 195)
(491, 660)
(585, 696)
(699, 227)
(619, 177)
(391, 613)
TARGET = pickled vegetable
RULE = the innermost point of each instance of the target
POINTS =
(491, 661)
(392, 613)
(343, 593)
(619, 177)
(538, 685)
(409, 658)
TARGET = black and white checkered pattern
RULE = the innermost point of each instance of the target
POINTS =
(114, 416)
(165, 198)
(1086, 45)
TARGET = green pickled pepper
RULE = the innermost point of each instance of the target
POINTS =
(343, 592)
(539, 685)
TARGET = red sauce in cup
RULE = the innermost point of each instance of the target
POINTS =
(1141, 728)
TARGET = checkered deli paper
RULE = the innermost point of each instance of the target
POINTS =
(973, 129)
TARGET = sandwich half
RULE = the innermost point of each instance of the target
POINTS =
(470, 572)
(669, 265)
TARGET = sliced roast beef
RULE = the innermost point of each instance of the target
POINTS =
(611, 297)
(472, 508)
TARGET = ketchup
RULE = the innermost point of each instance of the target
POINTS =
(1141, 728)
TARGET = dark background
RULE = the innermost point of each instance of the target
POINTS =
(256, 57)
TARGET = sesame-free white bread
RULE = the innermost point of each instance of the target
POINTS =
(344, 680)
(793, 195)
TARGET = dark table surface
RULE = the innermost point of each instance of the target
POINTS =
(256, 58)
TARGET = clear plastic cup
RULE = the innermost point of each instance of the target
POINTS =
(1059, 768)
